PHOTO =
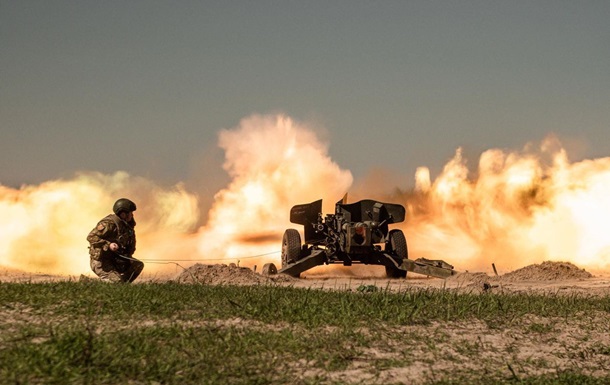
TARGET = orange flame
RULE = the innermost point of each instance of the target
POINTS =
(275, 163)
(43, 228)
(520, 208)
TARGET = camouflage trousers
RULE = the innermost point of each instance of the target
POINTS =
(117, 269)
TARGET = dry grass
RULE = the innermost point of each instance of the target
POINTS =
(170, 333)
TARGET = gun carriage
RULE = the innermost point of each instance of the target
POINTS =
(357, 233)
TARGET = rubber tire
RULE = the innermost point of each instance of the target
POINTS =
(291, 247)
(398, 248)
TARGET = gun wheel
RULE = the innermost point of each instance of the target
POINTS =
(397, 245)
(291, 247)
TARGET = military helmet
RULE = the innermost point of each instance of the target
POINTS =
(123, 204)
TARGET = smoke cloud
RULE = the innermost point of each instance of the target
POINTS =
(516, 208)
(520, 208)
(274, 163)
(44, 228)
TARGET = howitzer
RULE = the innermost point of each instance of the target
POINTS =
(357, 233)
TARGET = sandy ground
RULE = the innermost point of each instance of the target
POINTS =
(531, 346)
(547, 277)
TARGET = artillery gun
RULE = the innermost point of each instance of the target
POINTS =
(357, 233)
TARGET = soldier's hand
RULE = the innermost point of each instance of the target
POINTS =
(113, 246)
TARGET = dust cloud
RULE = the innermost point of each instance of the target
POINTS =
(274, 163)
(519, 208)
(515, 209)
(43, 228)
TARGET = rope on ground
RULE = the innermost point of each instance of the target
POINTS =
(174, 261)
(207, 259)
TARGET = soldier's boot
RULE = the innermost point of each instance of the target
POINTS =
(134, 270)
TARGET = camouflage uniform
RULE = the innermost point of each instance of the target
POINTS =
(110, 265)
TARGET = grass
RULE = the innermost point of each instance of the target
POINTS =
(169, 333)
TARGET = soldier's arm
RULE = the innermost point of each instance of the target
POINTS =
(133, 249)
(100, 236)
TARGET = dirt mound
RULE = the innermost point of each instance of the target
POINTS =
(221, 274)
(547, 271)
(544, 272)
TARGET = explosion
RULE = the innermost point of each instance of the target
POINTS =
(43, 228)
(275, 163)
(519, 207)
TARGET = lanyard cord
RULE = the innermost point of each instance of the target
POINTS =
(174, 261)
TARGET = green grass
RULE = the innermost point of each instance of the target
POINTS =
(169, 333)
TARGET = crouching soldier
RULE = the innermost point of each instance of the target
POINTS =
(112, 244)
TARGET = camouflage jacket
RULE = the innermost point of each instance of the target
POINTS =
(112, 229)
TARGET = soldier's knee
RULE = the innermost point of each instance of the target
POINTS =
(109, 276)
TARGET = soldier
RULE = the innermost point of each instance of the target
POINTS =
(112, 244)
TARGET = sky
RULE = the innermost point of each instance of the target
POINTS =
(145, 87)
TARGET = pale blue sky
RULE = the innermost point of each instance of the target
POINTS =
(144, 86)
